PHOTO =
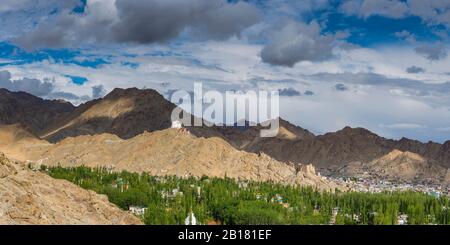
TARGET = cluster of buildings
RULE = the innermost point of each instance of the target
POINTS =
(120, 183)
(402, 219)
(171, 194)
(376, 185)
(140, 211)
(137, 210)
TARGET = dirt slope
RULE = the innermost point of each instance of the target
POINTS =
(398, 166)
(28, 197)
(407, 166)
(15, 141)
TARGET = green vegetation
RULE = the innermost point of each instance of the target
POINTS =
(228, 201)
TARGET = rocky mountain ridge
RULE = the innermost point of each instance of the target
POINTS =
(127, 113)
(171, 152)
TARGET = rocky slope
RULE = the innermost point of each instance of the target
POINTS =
(125, 113)
(249, 138)
(174, 152)
(398, 166)
(28, 197)
(408, 166)
(14, 140)
(337, 149)
(33, 113)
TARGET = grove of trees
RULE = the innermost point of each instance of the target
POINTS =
(228, 201)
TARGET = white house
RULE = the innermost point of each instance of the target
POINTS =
(140, 211)
(402, 219)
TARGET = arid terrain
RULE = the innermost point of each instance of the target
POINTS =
(130, 129)
(164, 152)
(398, 166)
(29, 197)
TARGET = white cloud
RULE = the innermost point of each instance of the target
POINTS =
(433, 12)
(403, 126)
(367, 8)
(380, 92)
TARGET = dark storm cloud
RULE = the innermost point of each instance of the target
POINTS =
(415, 69)
(142, 21)
(432, 52)
(42, 88)
(160, 20)
(296, 42)
(340, 87)
(53, 34)
(98, 91)
(18, 16)
(289, 92)
(29, 85)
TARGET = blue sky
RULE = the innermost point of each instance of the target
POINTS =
(378, 64)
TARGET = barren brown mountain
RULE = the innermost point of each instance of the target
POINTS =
(337, 149)
(172, 152)
(408, 166)
(127, 113)
(32, 112)
(398, 166)
(28, 197)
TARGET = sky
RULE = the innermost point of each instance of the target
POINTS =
(378, 64)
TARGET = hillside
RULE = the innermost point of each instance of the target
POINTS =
(28, 197)
(334, 150)
(408, 166)
(173, 152)
(398, 166)
(123, 112)
(32, 112)
(15, 141)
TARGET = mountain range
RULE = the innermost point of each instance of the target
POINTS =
(125, 115)
(130, 129)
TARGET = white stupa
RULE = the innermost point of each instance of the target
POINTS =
(177, 124)
(190, 219)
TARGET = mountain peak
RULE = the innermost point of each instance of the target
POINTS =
(129, 92)
(123, 112)
(349, 131)
(397, 154)
(32, 112)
